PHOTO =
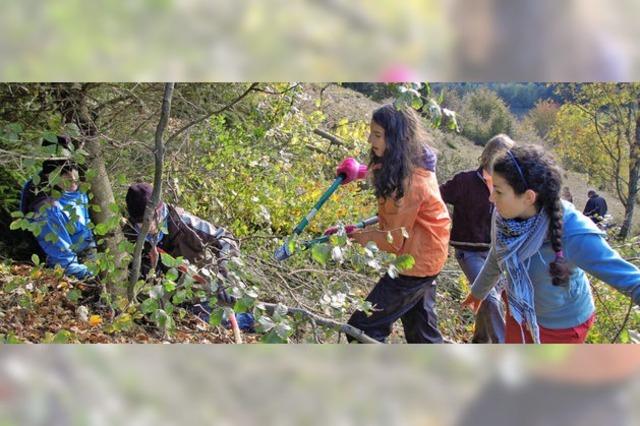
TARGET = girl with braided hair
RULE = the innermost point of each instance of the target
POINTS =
(544, 246)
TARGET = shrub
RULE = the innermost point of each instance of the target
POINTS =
(484, 115)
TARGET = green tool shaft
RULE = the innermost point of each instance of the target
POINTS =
(305, 221)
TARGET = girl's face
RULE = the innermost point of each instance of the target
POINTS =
(509, 204)
(377, 139)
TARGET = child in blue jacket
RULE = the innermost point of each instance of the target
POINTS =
(63, 213)
(544, 247)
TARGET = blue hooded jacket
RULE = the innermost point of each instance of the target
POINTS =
(586, 250)
(67, 220)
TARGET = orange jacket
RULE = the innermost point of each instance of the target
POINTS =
(424, 216)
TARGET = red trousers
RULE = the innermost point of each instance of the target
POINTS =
(576, 334)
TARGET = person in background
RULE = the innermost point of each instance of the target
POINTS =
(566, 194)
(596, 207)
(469, 192)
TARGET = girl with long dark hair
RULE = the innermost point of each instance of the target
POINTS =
(411, 209)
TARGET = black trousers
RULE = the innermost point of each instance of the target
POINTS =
(410, 299)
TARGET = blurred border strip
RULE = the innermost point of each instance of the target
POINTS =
(320, 40)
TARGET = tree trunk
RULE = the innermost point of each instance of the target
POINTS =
(634, 174)
(157, 188)
(75, 109)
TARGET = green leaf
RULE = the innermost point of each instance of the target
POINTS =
(179, 297)
(15, 127)
(150, 305)
(172, 275)
(101, 229)
(427, 89)
(283, 330)
(404, 262)
(16, 224)
(216, 317)
(51, 237)
(62, 336)
(121, 179)
(10, 339)
(124, 322)
(50, 136)
(113, 207)
(291, 245)
(265, 324)
(280, 311)
(243, 304)
(35, 259)
(624, 337)
(320, 253)
(74, 295)
(91, 174)
(169, 286)
(272, 337)
(338, 240)
(96, 208)
(168, 260)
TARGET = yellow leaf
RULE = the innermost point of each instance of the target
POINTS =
(95, 320)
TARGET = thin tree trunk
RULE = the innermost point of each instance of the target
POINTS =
(634, 174)
(157, 188)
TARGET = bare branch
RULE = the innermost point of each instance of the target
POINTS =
(201, 119)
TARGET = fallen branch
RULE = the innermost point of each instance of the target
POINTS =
(347, 329)
(334, 139)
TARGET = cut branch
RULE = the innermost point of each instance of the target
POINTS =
(334, 139)
(350, 330)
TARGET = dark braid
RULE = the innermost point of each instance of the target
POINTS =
(531, 167)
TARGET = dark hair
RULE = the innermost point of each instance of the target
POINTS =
(137, 198)
(405, 138)
(33, 196)
(531, 167)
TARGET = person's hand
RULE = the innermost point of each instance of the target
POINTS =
(472, 302)
(352, 170)
(348, 229)
(360, 237)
